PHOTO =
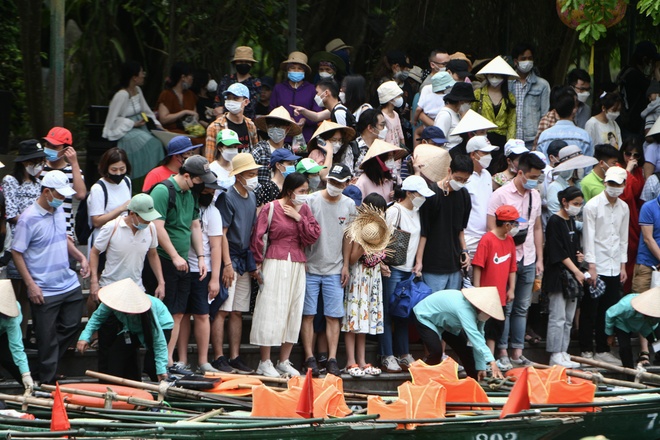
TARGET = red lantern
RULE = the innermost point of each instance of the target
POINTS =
(572, 18)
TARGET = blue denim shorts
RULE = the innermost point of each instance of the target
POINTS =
(333, 295)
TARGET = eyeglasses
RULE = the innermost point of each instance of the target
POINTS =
(631, 153)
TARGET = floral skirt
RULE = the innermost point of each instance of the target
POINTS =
(363, 301)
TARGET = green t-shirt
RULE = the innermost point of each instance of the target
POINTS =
(591, 186)
(178, 220)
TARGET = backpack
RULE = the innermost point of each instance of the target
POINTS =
(83, 227)
(171, 194)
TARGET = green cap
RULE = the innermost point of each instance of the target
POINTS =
(227, 137)
(308, 166)
(143, 205)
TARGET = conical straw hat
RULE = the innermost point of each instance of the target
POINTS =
(125, 296)
(472, 121)
(8, 305)
(432, 161)
(347, 133)
(278, 113)
(379, 147)
(369, 229)
(648, 303)
(655, 128)
(486, 299)
(498, 66)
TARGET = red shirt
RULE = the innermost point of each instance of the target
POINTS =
(155, 176)
(497, 258)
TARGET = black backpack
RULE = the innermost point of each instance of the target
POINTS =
(171, 194)
(82, 226)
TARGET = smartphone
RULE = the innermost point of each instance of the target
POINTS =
(145, 117)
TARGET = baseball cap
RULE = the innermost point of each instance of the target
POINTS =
(199, 166)
(508, 213)
(237, 89)
(514, 146)
(458, 66)
(227, 138)
(59, 136)
(615, 174)
(179, 145)
(308, 166)
(143, 205)
(339, 172)
(480, 143)
(434, 134)
(281, 154)
(417, 184)
(58, 181)
(354, 193)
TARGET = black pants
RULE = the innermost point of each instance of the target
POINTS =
(7, 360)
(625, 347)
(433, 344)
(592, 315)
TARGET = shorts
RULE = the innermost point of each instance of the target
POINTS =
(177, 287)
(333, 295)
(239, 294)
(641, 281)
(494, 328)
(198, 301)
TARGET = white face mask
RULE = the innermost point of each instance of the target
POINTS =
(390, 163)
(314, 182)
(382, 133)
(335, 147)
(234, 107)
(318, 101)
(485, 161)
(464, 108)
(514, 231)
(456, 186)
(418, 202)
(573, 210)
(276, 134)
(442, 69)
(611, 116)
(494, 80)
(483, 317)
(325, 75)
(342, 97)
(229, 153)
(525, 66)
(398, 101)
(251, 184)
(613, 192)
(299, 199)
(333, 191)
(583, 96)
(212, 86)
(34, 170)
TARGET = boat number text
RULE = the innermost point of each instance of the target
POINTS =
(506, 436)
(653, 417)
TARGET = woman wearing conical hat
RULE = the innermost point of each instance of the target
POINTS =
(12, 353)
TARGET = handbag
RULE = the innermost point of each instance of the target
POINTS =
(655, 278)
(407, 294)
(570, 286)
(397, 249)
(270, 218)
(521, 236)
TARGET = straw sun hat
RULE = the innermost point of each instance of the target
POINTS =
(369, 229)
(125, 296)
(472, 121)
(432, 161)
(379, 147)
(296, 58)
(347, 133)
(280, 114)
(486, 299)
(8, 305)
(572, 158)
(498, 66)
(648, 303)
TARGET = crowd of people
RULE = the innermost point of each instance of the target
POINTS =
(313, 201)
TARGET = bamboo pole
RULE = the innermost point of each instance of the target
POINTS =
(597, 377)
(111, 394)
(642, 375)
(229, 376)
(48, 403)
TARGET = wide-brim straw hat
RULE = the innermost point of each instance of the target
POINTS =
(369, 229)
(655, 128)
(572, 158)
(472, 121)
(486, 299)
(278, 113)
(648, 303)
(347, 133)
(296, 58)
(379, 147)
(461, 56)
(243, 162)
(498, 66)
(327, 56)
(8, 305)
(432, 161)
(125, 296)
(244, 53)
(337, 44)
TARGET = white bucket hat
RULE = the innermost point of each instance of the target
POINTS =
(572, 158)
(387, 91)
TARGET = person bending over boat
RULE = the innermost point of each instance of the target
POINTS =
(458, 316)
(12, 354)
(632, 314)
(143, 319)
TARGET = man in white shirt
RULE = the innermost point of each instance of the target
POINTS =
(605, 241)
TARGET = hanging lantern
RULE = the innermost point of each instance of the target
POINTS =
(572, 18)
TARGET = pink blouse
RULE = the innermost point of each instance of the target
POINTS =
(286, 236)
(367, 187)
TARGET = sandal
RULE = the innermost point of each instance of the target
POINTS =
(354, 371)
(644, 358)
(371, 370)
(532, 339)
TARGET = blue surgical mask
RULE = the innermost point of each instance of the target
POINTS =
(530, 184)
(55, 202)
(288, 170)
(296, 76)
(140, 226)
(51, 155)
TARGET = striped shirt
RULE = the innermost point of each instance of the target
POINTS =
(68, 202)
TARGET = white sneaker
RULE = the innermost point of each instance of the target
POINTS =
(608, 357)
(504, 363)
(287, 368)
(587, 354)
(567, 358)
(390, 364)
(559, 359)
(266, 369)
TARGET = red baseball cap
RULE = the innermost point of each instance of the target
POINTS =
(508, 213)
(59, 136)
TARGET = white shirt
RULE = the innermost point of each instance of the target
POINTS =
(480, 187)
(409, 222)
(117, 196)
(211, 223)
(605, 234)
(447, 120)
(124, 251)
(430, 102)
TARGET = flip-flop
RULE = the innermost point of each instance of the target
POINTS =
(355, 371)
(371, 370)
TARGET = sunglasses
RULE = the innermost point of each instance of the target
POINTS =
(630, 153)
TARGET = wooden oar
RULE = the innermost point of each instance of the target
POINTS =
(648, 377)
(110, 395)
(597, 378)
(48, 403)
(164, 389)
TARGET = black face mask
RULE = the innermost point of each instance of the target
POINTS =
(116, 178)
(205, 199)
(243, 69)
(198, 187)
